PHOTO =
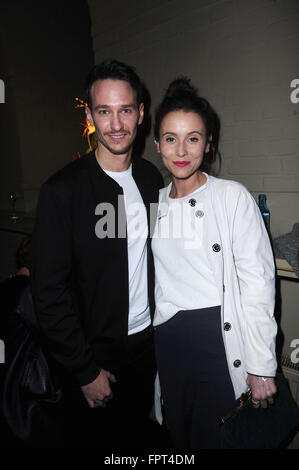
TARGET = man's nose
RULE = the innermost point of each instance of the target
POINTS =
(116, 122)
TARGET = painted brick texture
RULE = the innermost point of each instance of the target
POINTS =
(242, 55)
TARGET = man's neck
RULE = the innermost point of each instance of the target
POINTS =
(112, 162)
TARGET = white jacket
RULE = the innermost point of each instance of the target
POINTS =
(242, 261)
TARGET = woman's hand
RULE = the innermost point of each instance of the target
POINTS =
(263, 390)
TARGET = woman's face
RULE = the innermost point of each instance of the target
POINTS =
(183, 142)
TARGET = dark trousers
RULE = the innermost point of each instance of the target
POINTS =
(124, 423)
(195, 383)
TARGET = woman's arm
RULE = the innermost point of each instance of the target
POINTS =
(256, 275)
(263, 389)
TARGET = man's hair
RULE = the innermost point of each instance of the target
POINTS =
(114, 70)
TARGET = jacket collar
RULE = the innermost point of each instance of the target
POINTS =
(164, 202)
(103, 184)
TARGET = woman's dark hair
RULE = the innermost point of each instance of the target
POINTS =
(181, 95)
(114, 70)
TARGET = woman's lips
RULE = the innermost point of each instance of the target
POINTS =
(181, 164)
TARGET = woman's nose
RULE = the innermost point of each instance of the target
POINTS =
(181, 151)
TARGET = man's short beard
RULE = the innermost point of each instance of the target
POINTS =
(115, 151)
(121, 151)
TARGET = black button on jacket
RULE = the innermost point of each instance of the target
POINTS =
(80, 281)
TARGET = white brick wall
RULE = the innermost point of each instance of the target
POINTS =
(242, 55)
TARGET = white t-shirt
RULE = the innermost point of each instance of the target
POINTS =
(184, 279)
(137, 232)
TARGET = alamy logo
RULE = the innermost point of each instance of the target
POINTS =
(2, 92)
(177, 221)
(295, 93)
(2, 352)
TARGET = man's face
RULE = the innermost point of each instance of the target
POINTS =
(115, 115)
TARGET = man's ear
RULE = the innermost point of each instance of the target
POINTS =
(141, 113)
(89, 116)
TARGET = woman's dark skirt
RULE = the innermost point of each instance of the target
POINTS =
(195, 382)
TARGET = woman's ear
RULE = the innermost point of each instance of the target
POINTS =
(157, 146)
(208, 144)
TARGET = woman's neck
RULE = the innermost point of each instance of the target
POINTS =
(183, 187)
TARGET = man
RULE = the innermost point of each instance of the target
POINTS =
(92, 268)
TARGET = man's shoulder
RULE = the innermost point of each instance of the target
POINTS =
(72, 170)
(69, 173)
(146, 165)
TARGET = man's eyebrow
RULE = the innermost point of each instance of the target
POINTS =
(101, 106)
(106, 106)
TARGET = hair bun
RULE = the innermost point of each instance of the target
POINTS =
(178, 87)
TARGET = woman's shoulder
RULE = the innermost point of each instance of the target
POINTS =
(230, 193)
(227, 186)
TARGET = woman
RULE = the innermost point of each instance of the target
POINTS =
(215, 280)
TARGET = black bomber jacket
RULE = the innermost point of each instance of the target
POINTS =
(80, 281)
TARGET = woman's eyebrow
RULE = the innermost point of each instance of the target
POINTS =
(189, 133)
(171, 133)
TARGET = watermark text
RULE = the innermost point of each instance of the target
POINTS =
(2, 91)
(295, 353)
(294, 97)
(174, 221)
(2, 352)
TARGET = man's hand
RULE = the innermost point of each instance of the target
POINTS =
(98, 392)
(263, 389)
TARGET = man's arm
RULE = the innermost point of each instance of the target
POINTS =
(51, 261)
(98, 391)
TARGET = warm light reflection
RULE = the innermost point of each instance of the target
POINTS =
(89, 130)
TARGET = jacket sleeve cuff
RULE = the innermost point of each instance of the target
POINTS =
(88, 375)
